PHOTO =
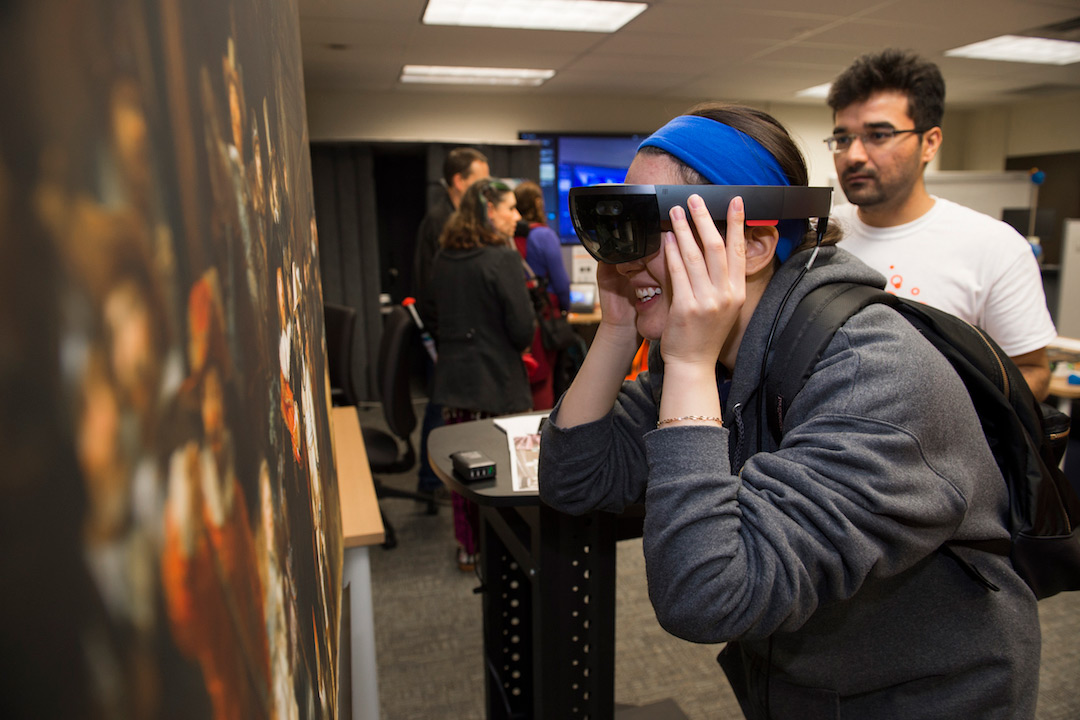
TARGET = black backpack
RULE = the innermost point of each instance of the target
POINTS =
(1026, 437)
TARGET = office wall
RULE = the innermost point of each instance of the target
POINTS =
(1043, 127)
(489, 117)
(982, 138)
(976, 138)
(474, 116)
(170, 537)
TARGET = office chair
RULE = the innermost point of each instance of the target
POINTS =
(388, 452)
(340, 323)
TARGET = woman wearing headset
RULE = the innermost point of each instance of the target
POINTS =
(482, 321)
(817, 559)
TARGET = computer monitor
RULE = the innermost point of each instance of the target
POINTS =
(573, 159)
(582, 297)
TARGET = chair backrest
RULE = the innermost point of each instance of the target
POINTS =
(396, 350)
(340, 322)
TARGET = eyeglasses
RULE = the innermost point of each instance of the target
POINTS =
(873, 138)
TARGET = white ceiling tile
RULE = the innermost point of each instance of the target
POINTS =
(764, 50)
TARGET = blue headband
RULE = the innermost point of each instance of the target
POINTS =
(726, 156)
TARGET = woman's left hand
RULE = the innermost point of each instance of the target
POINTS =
(708, 282)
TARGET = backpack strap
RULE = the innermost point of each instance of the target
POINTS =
(816, 319)
(1044, 512)
(812, 326)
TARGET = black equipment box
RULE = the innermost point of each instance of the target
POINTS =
(472, 466)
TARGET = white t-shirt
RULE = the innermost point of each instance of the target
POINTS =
(961, 261)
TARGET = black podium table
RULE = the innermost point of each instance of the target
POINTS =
(548, 584)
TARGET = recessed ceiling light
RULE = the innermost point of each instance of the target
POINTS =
(446, 75)
(818, 91)
(580, 15)
(1016, 48)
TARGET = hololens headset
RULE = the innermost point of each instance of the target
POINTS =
(620, 223)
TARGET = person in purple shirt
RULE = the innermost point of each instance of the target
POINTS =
(543, 251)
(540, 247)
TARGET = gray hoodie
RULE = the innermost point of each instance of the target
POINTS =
(817, 561)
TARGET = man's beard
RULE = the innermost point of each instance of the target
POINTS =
(867, 192)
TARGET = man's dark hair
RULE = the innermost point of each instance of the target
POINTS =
(459, 160)
(893, 69)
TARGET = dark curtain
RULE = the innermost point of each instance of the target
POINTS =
(369, 201)
(345, 214)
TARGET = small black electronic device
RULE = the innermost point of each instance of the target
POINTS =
(620, 223)
(472, 466)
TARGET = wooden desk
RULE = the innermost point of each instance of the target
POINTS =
(362, 526)
(548, 589)
(1063, 349)
(1060, 388)
(592, 318)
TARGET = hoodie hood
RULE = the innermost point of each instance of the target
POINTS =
(832, 265)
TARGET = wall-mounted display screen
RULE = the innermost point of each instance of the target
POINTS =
(573, 159)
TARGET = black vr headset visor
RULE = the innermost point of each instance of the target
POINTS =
(620, 223)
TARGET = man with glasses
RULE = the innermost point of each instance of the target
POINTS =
(887, 110)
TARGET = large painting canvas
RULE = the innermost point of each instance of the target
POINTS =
(170, 536)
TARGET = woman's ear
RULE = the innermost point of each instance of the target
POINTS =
(760, 247)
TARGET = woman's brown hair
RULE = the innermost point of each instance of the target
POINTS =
(469, 226)
(530, 202)
(772, 136)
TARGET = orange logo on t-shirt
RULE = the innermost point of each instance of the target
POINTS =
(897, 281)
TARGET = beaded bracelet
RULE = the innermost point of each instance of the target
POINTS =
(688, 417)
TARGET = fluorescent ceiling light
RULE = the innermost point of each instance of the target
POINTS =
(441, 74)
(1016, 48)
(818, 91)
(580, 15)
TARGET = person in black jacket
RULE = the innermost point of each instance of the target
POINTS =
(462, 167)
(482, 319)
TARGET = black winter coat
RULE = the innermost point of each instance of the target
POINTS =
(482, 321)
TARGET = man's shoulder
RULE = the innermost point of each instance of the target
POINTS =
(964, 224)
(954, 211)
(943, 210)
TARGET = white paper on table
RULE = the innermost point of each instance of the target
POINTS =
(523, 442)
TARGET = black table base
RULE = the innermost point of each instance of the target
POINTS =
(548, 584)
(548, 653)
